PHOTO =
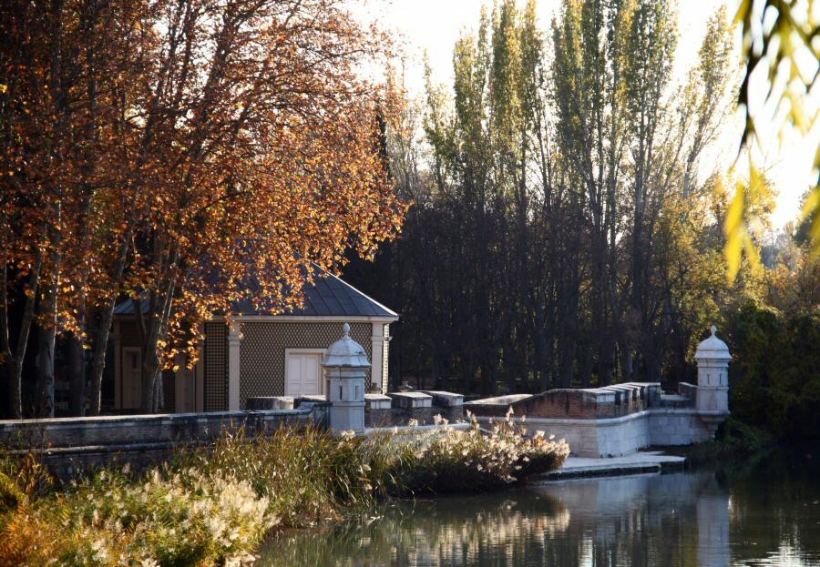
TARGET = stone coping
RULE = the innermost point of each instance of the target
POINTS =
(146, 418)
(445, 399)
(106, 449)
(378, 401)
(311, 400)
(500, 400)
(411, 399)
(575, 403)
(128, 430)
(604, 421)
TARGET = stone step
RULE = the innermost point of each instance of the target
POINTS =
(637, 463)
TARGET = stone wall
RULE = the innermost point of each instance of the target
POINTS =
(398, 417)
(618, 436)
(69, 445)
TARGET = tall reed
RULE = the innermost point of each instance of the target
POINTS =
(214, 505)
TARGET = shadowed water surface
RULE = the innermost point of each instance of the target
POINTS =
(766, 512)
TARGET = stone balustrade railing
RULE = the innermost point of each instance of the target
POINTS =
(586, 403)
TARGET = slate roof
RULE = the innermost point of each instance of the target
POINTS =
(329, 296)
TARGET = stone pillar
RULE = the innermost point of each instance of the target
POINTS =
(345, 368)
(713, 359)
(234, 343)
(377, 343)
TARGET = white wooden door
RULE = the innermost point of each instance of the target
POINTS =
(131, 378)
(303, 373)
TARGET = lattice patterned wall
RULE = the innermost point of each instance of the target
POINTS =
(262, 362)
(216, 367)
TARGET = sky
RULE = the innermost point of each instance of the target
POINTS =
(433, 26)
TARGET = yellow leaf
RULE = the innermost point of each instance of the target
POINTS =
(732, 252)
(734, 216)
(751, 252)
(743, 11)
(4, 88)
(812, 207)
(756, 181)
(812, 203)
(734, 227)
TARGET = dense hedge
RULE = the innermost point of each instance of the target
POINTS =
(775, 375)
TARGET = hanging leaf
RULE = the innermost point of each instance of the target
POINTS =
(734, 229)
(789, 35)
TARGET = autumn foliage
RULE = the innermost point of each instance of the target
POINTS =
(185, 154)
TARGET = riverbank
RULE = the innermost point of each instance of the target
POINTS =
(215, 505)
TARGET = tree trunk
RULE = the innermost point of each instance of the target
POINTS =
(44, 362)
(77, 367)
(98, 358)
(104, 329)
(76, 374)
(153, 329)
(47, 326)
(15, 374)
(586, 367)
(16, 355)
(150, 376)
(47, 306)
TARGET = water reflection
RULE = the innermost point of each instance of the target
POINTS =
(767, 516)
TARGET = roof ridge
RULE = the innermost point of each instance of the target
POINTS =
(367, 297)
(327, 295)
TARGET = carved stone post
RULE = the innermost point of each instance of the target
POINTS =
(346, 369)
(713, 359)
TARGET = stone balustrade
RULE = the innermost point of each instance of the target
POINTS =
(585, 403)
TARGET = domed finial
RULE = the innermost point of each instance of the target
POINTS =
(346, 329)
(714, 330)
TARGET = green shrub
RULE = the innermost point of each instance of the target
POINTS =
(733, 441)
(775, 375)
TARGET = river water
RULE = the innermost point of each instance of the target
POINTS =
(762, 512)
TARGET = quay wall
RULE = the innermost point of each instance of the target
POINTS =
(69, 446)
(624, 435)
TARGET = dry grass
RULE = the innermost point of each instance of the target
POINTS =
(214, 506)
